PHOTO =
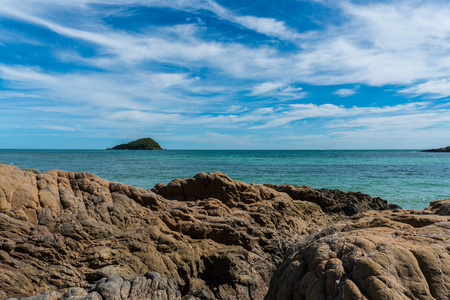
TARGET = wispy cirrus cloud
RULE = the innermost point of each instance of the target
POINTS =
(297, 112)
(352, 52)
(439, 88)
(266, 87)
(137, 90)
(278, 90)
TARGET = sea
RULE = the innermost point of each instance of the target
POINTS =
(409, 178)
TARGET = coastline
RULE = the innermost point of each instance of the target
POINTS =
(206, 237)
(408, 178)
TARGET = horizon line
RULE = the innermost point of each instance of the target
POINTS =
(198, 149)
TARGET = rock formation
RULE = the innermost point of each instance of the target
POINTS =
(400, 254)
(151, 286)
(446, 149)
(334, 201)
(214, 237)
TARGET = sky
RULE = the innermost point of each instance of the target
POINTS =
(204, 74)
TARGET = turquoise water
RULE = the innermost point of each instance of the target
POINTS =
(405, 177)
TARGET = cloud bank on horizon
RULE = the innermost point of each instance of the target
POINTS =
(206, 74)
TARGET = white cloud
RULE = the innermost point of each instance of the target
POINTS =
(134, 91)
(412, 121)
(12, 95)
(265, 87)
(59, 128)
(379, 43)
(439, 88)
(345, 92)
(268, 26)
(218, 140)
(234, 109)
(128, 50)
(297, 112)
(279, 90)
(24, 75)
(412, 116)
(142, 116)
(292, 92)
(308, 137)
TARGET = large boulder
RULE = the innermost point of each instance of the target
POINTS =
(401, 254)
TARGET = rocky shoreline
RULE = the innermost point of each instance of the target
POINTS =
(66, 235)
(445, 149)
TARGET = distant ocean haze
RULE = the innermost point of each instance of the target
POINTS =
(408, 178)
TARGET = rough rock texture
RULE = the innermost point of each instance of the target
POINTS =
(217, 238)
(335, 201)
(401, 254)
(151, 286)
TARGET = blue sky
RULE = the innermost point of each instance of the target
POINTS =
(280, 74)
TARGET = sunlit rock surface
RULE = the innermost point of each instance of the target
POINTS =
(207, 237)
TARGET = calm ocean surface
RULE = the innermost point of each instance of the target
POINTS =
(405, 177)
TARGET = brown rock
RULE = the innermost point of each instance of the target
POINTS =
(334, 201)
(217, 238)
(152, 286)
(20, 186)
(402, 254)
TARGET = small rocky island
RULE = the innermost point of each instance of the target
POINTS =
(140, 144)
(446, 149)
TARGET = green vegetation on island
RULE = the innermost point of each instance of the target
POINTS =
(141, 144)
